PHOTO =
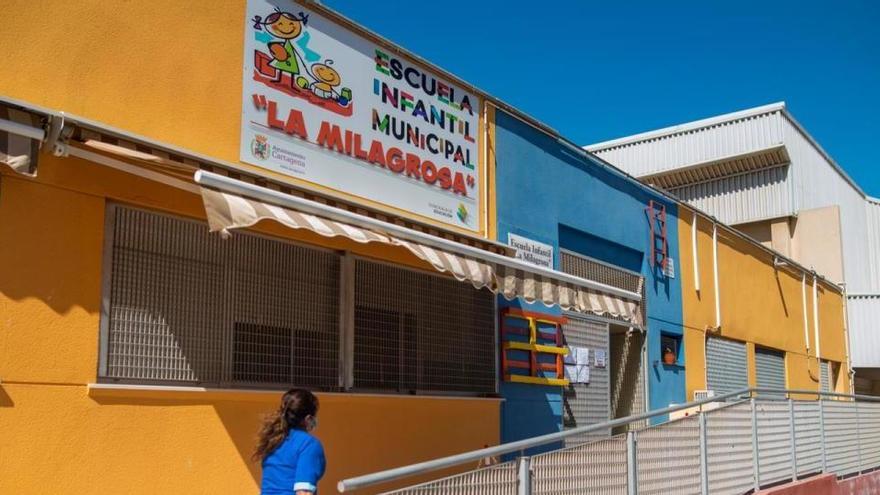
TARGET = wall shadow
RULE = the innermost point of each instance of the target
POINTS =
(240, 418)
(781, 293)
(5, 399)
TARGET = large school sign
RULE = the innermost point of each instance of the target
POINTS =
(328, 106)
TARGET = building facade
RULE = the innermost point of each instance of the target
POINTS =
(760, 171)
(551, 193)
(171, 258)
(175, 251)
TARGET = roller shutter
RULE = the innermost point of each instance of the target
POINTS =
(726, 365)
(770, 368)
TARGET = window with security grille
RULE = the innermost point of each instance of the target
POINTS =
(187, 306)
(591, 269)
(416, 331)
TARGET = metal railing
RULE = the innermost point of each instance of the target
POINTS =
(745, 441)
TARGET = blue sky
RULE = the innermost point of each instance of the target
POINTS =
(596, 70)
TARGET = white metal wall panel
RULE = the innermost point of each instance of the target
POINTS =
(807, 437)
(816, 183)
(841, 436)
(869, 434)
(659, 470)
(774, 441)
(742, 198)
(864, 330)
(495, 480)
(729, 445)
(693, 146)
(587, 403)
(596, 468)
(872, 214)
(769, 368)
(727, 365)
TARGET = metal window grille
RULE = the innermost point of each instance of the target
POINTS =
(587, 403)
(187, 306)
(417, 331)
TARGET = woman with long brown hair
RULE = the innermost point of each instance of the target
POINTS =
(292, 458)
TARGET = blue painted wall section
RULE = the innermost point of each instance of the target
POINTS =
(549, 192)
(529, 410)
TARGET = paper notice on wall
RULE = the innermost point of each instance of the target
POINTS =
(577, 365)
(600, 358)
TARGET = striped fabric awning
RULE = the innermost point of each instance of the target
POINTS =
(16, 151)
(227, 211)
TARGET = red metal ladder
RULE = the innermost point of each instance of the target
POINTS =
(659, 254)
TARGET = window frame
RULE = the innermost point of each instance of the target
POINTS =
(346, 326)
(227, 361)
(677, 340)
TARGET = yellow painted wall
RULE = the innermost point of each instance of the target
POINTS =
(56, 436)
(760, 305)
(164, 69)
(170, 71)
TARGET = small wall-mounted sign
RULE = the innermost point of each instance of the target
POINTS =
(669, 269)
(531, 251)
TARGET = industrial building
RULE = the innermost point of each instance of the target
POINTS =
(760, 171)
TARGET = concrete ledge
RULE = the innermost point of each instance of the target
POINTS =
(866, 484)
(122, 391)
(818, 485)
(827, 484)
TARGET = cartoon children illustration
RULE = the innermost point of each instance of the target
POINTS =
(326, 80)
(286, 27)
(289, 57)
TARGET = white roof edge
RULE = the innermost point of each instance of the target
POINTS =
(729, 117)
(688, 126)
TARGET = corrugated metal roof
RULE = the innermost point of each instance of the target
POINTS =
(719, 141)
(696, 125)
(621, 151)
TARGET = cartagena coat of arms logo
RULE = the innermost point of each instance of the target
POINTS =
(260, 147)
